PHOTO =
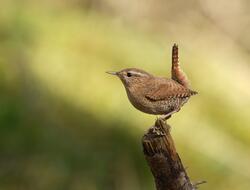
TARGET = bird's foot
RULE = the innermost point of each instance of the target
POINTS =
(156, 132)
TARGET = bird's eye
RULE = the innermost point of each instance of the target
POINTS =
(129, 74)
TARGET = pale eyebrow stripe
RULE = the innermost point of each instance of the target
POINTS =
(137, 73)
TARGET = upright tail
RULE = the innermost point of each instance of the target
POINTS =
(177, 74)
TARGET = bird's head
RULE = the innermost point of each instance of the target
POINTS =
(131, 76)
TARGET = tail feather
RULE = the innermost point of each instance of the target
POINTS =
(192, 92)
(177, 74)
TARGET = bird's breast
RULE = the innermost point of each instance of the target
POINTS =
(140, 102)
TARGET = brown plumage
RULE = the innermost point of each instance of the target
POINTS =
(156, 95)
(153, 95)
(177, 74)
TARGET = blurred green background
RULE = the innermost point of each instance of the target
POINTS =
(65, 124)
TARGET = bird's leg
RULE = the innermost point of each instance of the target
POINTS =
(168, 115)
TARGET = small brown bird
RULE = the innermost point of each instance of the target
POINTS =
(155, 95)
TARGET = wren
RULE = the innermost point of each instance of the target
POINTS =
(156, 95)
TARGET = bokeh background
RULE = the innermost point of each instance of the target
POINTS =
(65, 124)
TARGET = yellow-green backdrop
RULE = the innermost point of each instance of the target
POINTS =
(65, 124)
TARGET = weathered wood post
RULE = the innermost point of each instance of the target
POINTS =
(163, 160)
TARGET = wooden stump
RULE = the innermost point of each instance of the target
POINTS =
(164, 161)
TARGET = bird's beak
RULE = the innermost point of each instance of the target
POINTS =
(111, 72)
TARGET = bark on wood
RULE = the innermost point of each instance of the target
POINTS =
(164, 161)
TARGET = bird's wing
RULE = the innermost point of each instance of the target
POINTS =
(168, 89)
